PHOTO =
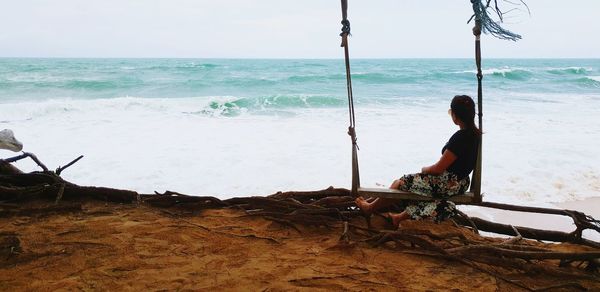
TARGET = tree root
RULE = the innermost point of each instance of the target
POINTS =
(328, 208)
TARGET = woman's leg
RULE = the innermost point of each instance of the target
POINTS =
(370, 207)
(398, 217)
(378, 203)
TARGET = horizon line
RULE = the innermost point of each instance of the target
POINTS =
(288, 58)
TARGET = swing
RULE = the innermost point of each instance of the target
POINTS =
(473, 196)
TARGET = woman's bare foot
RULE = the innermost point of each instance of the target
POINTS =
(365, 206)
(396, 218)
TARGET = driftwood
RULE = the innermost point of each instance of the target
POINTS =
(334, 208)
(531, 233)
(16, 186)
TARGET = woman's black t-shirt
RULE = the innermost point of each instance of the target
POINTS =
(464, 145)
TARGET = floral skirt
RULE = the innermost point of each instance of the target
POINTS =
(441, 187)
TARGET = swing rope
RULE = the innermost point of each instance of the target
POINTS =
(351, 128)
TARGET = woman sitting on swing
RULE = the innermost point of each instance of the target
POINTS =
(446, 178)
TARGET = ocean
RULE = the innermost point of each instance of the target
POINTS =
(241, 127)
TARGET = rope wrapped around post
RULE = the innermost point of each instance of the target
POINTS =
(351, 128)
(476, 185)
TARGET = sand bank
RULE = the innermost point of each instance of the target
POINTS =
(107, 246)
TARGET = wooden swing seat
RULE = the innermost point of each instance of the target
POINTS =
(466, 198)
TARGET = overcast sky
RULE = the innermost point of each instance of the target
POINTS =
(287, 29)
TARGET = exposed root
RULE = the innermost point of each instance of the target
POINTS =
(329, 208)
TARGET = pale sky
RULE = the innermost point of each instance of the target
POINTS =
(287, 29)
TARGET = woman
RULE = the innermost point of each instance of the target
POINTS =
(447, 177)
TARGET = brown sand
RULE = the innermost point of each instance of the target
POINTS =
(125, 247)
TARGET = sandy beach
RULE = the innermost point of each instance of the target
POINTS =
(108, 246)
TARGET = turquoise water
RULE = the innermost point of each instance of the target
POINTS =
(264, 84)
(244, 127)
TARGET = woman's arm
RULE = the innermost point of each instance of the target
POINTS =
(439, 167)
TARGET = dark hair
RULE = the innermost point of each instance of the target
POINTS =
(463, 108)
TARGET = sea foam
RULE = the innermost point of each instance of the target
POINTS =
(157, 144)
(254, 127)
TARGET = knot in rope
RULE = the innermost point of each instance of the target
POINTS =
(352, 134)
(345, 27)
(477, 29)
